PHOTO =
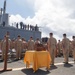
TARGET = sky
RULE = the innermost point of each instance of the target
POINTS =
(57, 16)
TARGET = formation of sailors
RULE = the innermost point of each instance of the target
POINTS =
(65, 45)
(18, 45)
(21, 45)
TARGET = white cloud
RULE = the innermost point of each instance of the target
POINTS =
(16, 18)
(52, 16)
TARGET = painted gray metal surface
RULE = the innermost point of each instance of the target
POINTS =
(14, 32)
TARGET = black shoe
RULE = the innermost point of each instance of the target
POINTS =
(66, 62)
(52, 64)
(16, 59)
(59, 55)
(9, 61)
(1, 60)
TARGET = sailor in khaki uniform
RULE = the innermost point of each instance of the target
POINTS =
(65, 48)
(24, 45)
(52, 43)
(3, 46)
(18, 47)
(73, 47)
(12, 44)
(31, 44)
(70, 49)
(36, 43)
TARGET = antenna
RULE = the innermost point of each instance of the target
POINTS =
(1, 11)
(4, 8)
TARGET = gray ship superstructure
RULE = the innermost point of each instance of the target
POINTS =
(21, 29)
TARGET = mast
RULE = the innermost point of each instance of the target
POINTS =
(4, 12)
(1, 11)
(4, 7)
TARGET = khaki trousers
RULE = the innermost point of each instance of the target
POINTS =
(52, 54)
(66, 55)
(74, 54)
(18, 53)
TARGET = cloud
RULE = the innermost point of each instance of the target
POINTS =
(16, 18)
(55, 16)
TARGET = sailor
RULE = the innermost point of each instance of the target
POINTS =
(13, 45)
(52, 45)
(24, 45)
(18, 47)
(65, 48)
(31, 44)
(36, 43)
(17, 25)
(21, 25)
(73, 46)
(3, 46)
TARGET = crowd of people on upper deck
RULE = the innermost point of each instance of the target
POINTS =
(21, 25)
(27, 26)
